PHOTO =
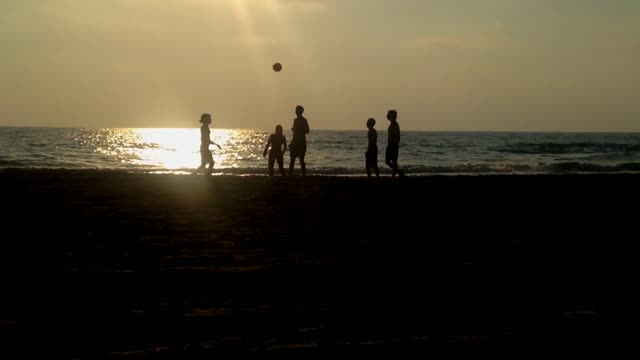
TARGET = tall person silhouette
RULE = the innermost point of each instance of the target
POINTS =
(371, 156)
(393, 143)
(298, 146)
(206, 157)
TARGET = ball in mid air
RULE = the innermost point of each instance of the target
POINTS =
(277, 67)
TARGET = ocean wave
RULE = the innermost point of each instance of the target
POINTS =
(496, 168)
(567, 148)
(489, 168)
(11, 163)
(505, 168)
(593, 167)
(144, 146)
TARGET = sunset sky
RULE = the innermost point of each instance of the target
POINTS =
(523, 65)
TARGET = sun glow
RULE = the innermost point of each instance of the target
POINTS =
(175, 149)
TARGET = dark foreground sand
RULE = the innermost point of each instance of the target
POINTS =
(127, 265)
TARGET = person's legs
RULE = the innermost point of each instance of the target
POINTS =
(303, 166)
(208, 160)
(396, 168)
(391, 158)
(387, 158)
(272, 160)
(292, 163)
(280, 159)
(400, 172)
(392, 165)
(203, 163)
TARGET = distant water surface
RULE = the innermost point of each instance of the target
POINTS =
(329, 152)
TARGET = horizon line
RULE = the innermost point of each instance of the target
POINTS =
(326, 129)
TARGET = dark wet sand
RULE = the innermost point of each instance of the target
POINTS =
(127, 265)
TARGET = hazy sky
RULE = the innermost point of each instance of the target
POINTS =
(443, 64)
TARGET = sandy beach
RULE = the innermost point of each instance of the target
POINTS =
(136, 265)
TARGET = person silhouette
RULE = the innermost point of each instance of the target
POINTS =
(298, 146)
(276, 141)
(393, 143)
(371, 155)
(206, 157)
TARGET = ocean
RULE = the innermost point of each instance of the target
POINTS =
(328, 152)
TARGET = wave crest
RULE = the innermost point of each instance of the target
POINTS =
(567, 148)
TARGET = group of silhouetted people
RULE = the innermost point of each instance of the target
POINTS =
(297, 148)
(277, 145)
(393, 146)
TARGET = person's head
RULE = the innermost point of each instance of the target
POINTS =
(205, 119)
(392, 115)
(279, 129)
(299, 110)
(371, 123)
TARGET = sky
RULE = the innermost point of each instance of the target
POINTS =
(444, 65)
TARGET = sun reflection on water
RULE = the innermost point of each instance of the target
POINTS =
(179, 149)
